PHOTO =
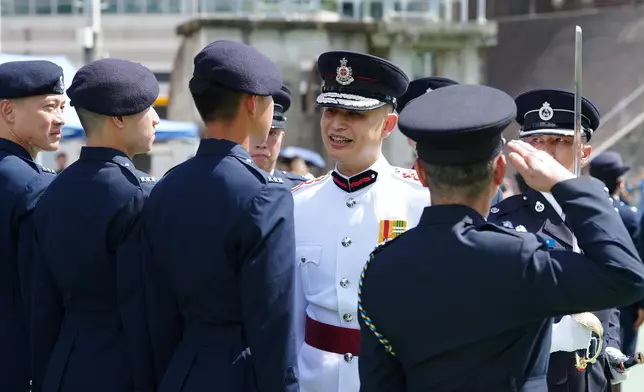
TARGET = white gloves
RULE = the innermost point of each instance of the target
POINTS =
(615, 357)
(568, 335)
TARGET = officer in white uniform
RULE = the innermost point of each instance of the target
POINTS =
(342, 216)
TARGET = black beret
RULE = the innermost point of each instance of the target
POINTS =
(282, 102)
(358, 81)
(459, 124)
(113, 87)
(19, 79)
(421, 86)
(608, 166)
(552, 112)
(236, 66)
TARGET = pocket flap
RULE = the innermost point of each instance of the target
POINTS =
(309, 254)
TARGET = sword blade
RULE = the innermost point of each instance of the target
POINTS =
(578, 92)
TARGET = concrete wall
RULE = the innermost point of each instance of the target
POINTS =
(149, 39)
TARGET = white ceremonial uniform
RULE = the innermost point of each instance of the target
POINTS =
(335, 231)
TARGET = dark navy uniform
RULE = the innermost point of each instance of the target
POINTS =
(22, 182)
(219, 240)
(609, 168)
(88, 326)
(550, 112)
(533, 213)
(460, 304)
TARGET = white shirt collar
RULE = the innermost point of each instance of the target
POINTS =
(554, 204)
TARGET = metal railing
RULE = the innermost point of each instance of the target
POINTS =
(451, 11)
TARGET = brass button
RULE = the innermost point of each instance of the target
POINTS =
(344, 283)
(348, 317)
(346, 242)
(351, 202)
(348, 357)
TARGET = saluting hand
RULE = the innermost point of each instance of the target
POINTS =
(539, 170)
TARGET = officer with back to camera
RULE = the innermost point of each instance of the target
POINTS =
(460, 304)
(266, 153)
(31, 119)
(218, 238)
(88, 325)
(546, 117)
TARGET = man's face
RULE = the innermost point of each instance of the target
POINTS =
(139, 131)
(261, 117)
(559, 147)
(38, 121)
(351, 136)
(265, 154)
(62, 161)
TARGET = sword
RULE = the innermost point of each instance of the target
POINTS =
(577, 135)
(589, 320)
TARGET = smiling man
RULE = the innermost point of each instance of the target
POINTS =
(31, 118)
(265, 153)
(342, 216)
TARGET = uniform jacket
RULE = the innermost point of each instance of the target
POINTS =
(88, 325)
(217, 245)
(466, 305)
(335, 232)
(628, 314)
(535, 213)
(22, 182)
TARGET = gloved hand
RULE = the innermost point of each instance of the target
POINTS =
(568, 335)
(615, 357)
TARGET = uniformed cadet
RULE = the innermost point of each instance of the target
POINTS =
(219, 233)
(546, 118)
(609, 168)
(88, 325)
(265, 153)
(425, 85)
(460, 304)
(31, 120)
(342, 216)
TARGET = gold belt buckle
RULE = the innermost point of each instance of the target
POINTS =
(592, 323)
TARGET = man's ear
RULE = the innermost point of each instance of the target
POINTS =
(586, 149)
(421, 173)
(7, 111)
(118, 121)
(500, 168)
(390, 124)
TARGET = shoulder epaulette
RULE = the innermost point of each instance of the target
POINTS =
(491, 226)
(252, 167)
(309, 182)
(293, 176)
(48, 170)
(510, 204)
(148, 179)
(409, 175)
